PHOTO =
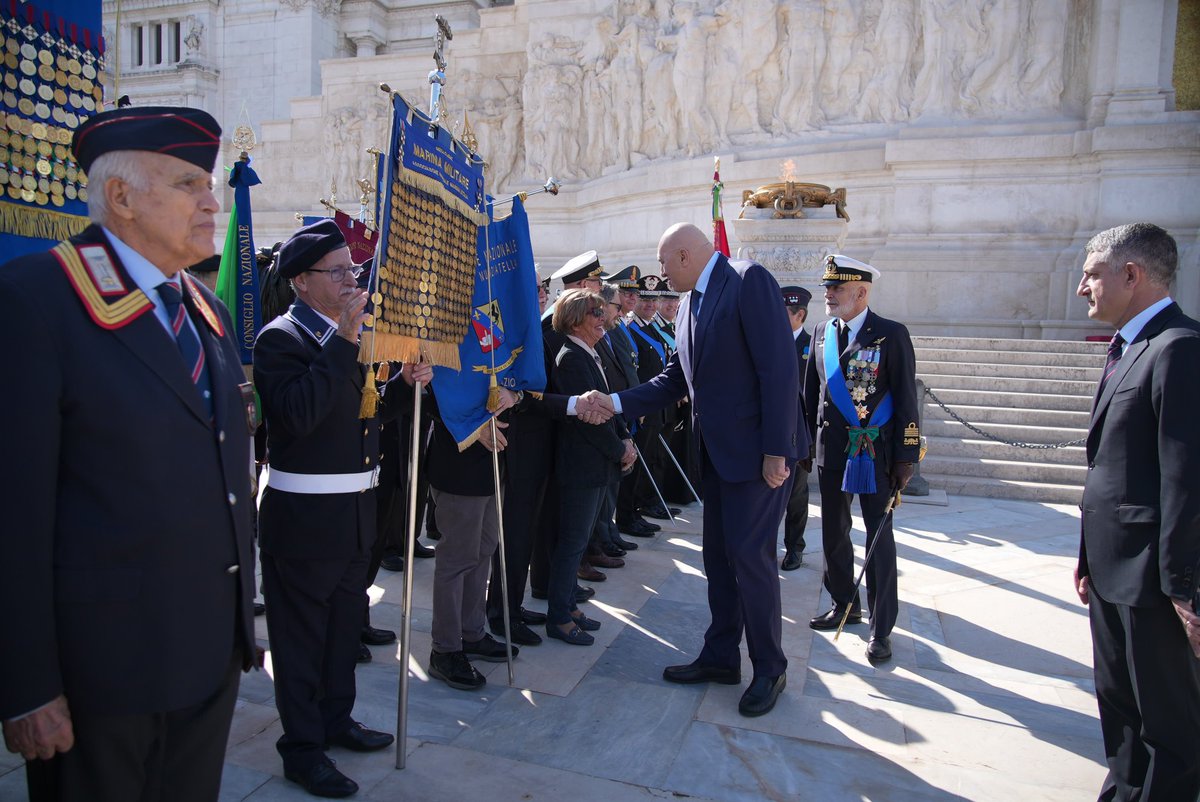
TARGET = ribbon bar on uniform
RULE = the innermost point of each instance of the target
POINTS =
(319, 483)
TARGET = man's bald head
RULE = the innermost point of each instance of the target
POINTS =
(683, 252)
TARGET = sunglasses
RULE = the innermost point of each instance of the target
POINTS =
(597, 312)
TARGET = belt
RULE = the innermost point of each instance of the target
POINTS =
(319, 483)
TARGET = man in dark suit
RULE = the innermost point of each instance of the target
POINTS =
(317, 506)
(795, 520)
(735, 360)
(126, 562)
(861, 394)
(1139, 554)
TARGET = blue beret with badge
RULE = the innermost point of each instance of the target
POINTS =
(308, 246)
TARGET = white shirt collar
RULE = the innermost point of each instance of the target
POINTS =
(706, 274)
(856, 323)
(796, 334)
(1133, 328)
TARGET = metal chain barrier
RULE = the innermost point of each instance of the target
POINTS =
(993, 437)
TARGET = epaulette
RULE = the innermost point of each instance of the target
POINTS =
(93, 273)
(202, 306)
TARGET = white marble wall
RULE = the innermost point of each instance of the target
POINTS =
(980, 143)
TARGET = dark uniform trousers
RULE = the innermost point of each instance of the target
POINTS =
(795, 520)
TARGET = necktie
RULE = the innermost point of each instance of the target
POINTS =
(1115, 346)
(188, 342)
(694, 308)
(843, 336)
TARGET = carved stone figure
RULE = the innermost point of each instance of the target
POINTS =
(948, 28)
(193, 39)
(839, 89)
(889, 89)
(991, 84)
(1041, 81)
(689, 75)
(799, 108)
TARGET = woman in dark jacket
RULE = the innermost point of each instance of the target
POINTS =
(587, 459)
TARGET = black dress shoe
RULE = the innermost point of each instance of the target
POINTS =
(791, 561)
(638, 528)
(488, 649)
(373, 636)
(760, 697)
(538, 594)
(423, 551)
(583, 594)
(659, 511)
(831, 619)
(532, 617)
(392, 562)
(698, 672)
(259, 609)
(454, 669)
(879, 650)
(359, 739)
(364, 654)
(574, 636)
(628, 545)
(322, 779)
(521, 633)
(611, 550)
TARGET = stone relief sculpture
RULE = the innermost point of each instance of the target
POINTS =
(658, 79)
(349, 131)
(193, 39)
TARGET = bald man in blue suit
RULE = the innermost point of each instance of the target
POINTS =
(737, 362)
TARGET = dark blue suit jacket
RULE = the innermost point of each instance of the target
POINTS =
(743, 378)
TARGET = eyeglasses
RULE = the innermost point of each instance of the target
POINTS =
(338, 274)
(597, 312)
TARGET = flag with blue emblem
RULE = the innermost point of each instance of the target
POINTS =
(503, 345)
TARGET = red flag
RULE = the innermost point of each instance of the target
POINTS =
(359, 239)
(720, 238)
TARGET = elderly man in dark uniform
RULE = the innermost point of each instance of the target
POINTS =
(795, 520)
(1139, 552)
(861, 394)
(317, 506)
(126, 563)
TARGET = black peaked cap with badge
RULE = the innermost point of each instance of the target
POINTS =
(795, 296)
(188, 134)
(307, 247)
(626, 279)
(650, 286)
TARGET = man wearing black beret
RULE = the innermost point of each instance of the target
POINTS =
(317, 505)
(126, 562)
(795, 520)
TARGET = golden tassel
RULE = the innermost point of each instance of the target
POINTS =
(30, 221)
(493, 402)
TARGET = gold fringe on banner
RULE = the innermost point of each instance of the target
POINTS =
(399, 348)
(30, 221)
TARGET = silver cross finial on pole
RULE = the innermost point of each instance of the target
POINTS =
(437, 77)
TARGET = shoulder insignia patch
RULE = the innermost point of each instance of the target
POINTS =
(207, 312)
(96, 280)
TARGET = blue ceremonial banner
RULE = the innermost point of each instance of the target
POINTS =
(503, 346)
(237, 280)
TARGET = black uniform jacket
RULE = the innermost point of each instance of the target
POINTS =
(310, 383)
(1141, 498)
(899, 439)
(126, 561)
(587, 455)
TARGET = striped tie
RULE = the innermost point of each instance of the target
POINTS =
(187, 340)
(1114, 356)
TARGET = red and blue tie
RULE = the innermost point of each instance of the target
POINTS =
(188, 341)
(1115, 347)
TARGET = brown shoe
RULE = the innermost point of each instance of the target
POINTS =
(604, 561)
(588, 573)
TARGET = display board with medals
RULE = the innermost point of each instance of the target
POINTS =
(53, 60)
(433, 207)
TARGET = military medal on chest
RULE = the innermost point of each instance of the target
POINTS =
(862, 373)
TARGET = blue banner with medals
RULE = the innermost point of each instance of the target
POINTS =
(503, 346)
(53, 56)
(432, 206)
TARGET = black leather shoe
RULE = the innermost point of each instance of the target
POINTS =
(488, 649)
(659, 511)
(628, 545)
(698, 672)
(574, 636)
(760, 697)
(392, 562)
(638, 528)
(532, 617)
(259, 609)
(611, 550)
(422, 551)
(323, 779)
(879, 650)
(538, 594)
(373, 636)
(364, 654)
(791, 561)
(359, 739)
(583, 594)
(454, 669)
(521, 633)
(831, 619)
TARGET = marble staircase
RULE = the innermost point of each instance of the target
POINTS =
(1028, 391)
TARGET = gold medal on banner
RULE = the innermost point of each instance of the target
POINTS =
(89, 72)
(46, 73)
(45, 93)
(83, 194)
(73, 67)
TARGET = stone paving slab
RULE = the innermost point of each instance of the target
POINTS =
(989, 695)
